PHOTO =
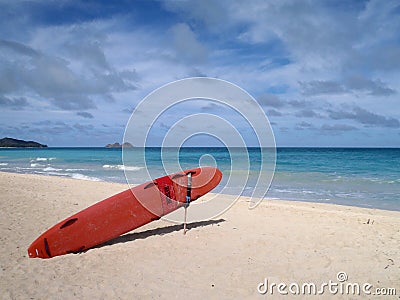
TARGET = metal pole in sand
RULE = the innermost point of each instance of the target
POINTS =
(184, 223)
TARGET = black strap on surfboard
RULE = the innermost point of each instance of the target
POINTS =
(189, 190)
(188, 198)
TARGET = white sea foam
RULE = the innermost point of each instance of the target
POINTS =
(73, 175)
(3, 164)
(53, 173)
(122, 167)
(44, 159)
(84, 177)
(23, 168)
(51, 169)
(133, 168)
(36, 165)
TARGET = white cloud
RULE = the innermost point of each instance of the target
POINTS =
(186, 45)
(318, 55)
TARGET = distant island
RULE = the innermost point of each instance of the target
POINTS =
(118, 145)
(10, 142)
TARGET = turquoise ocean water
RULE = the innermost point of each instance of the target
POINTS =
(348, 176)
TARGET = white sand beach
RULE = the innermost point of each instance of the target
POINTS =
(225, 258)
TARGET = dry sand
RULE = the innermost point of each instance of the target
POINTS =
(290, 242)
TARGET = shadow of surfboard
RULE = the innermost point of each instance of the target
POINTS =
(157, 231)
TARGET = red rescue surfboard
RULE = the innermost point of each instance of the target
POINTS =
(123, 212)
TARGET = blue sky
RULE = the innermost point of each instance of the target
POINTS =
(326, 73)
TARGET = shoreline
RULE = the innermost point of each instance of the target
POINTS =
(272, 201)
(88, 179)
(227, 257)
